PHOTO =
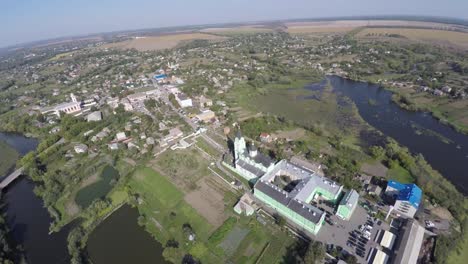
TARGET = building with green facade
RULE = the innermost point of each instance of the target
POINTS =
(347, 205)
(290, 190)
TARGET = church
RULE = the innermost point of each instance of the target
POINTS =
(249, 162)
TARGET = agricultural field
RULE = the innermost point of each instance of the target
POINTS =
(440, 37)
(160, 42)
(8, 157)
(343, 26)
(231, 31)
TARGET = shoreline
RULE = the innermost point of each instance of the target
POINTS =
(418, 108)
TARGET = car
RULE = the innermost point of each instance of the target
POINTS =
(429, 224)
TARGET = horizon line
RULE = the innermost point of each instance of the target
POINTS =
(424, 18)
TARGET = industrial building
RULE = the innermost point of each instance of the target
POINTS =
(409, 243)
(406, 197)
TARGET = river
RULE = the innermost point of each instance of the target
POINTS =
(118, 239)
(443, 147)
(26, 216)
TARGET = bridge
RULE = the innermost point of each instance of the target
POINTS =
(10, 178)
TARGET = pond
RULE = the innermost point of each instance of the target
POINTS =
(98, 189)
(120, 240)
(443, 147)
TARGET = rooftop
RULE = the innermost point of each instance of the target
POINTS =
(407, 192)
(351, 198)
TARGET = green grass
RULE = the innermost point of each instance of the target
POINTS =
(8, 157)
(399, 174)
(97, 190)
(166, 212)
(321, 111)
(222, 231)
(260, 237)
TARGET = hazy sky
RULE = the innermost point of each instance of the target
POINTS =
(29, 20)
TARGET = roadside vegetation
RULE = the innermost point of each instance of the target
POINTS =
(8, 157)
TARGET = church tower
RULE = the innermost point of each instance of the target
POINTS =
(73, 98)
(239, 145)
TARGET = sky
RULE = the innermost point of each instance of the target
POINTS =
(30, 20)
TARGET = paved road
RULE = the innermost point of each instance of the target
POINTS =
(10, 178)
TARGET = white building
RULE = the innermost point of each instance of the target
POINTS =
(67, 108)
(183, 100)
(94, 116)
(81, 148)
(121, 136)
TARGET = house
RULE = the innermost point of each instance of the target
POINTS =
(183, 100)
(150, 141)
(54, 130)
(121, 136)
(373, 189)
(87, 133)
(446, 89)
(265, 137)
(438, 92)
(80, 148)
(245, 205)
(206, 116)
(113, 146)
(94, 116)
(406, 197)
(205, 102)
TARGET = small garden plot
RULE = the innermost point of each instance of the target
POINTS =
(99, 189)
(233, 240)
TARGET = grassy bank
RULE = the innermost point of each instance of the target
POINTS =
(8, 157)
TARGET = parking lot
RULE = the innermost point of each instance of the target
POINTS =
(347, 236)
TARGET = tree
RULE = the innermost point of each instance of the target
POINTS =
(279, 220)
(351, 259)
(377, 152)
(150, 103)
(315, 253)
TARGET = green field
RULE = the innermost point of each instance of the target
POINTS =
(165, 212)
(99, 189)
(399, 174)
(8, 157)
